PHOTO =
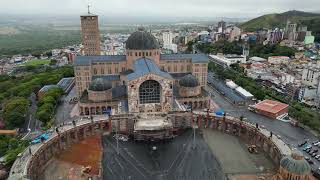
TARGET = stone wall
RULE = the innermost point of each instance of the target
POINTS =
(166, 100)
(100, 96)
(125, 123)
(189, 91)
(55, 145)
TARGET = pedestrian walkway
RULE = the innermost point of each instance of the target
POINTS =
(19, 168)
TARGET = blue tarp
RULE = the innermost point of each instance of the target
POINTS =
(44, 136)
(219, 112)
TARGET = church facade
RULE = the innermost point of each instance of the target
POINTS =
(142, 80)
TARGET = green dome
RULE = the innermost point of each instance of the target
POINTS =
(100, 84)
(189, 81)
(295, 165)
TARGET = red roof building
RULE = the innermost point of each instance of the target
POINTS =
(271, 108)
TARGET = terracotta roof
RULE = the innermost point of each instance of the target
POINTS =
(271, 106)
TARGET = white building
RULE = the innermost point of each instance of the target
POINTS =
(257, 59)
(167, 38)
(227, 60)
(234, 34)
(310, 75)
(172, 47)
(277, 60)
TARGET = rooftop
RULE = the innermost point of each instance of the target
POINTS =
(46, 88)
(195, 58)
(271, 106)
(145, 66)
(87, 60)
(142, 40)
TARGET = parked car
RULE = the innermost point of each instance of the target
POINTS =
(308, 150)
(315, 151)
(307, 147)
(310, 161)
(314, 154)
(317, 156)
(315, 142)
(302, 144)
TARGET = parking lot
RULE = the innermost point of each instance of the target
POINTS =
(311, 152)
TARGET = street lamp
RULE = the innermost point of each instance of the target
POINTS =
(194, 127)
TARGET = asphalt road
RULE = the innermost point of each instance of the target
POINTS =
(64, 108)
(289, 134)
(172, 160)
(31, 122)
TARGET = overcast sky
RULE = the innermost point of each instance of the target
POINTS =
(171, 8)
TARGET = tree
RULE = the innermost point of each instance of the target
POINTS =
(14, 111)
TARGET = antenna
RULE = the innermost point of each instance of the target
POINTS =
(89, 9)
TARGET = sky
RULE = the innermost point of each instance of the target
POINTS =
(159, 8)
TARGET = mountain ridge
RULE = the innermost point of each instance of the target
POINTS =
(309, 19)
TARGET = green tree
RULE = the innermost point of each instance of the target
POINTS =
(14, 112)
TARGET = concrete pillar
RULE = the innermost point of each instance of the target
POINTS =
(199, 121)
(84, 132)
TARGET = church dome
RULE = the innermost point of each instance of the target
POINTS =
(100, 84)
(295, 164)
(141, 40)
(189, 81)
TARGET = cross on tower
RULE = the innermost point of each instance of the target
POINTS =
(89, 9)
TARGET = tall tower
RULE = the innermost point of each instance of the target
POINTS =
(90, 34)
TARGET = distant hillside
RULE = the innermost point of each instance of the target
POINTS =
(312, 20)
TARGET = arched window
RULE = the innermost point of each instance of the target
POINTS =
(149, 92)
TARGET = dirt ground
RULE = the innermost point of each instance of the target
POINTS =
(69, 164)
(234, 156)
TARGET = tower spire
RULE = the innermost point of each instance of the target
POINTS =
(89, 9)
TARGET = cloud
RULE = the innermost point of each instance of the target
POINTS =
(172, 8)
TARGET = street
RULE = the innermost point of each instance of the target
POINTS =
(64, 108)
(288, 133)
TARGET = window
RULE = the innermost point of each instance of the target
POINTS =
(147, 54)
(130, 53)
(188, 68)
(182, 68)
(139, 53)
(94, 71)
(102, 71)
(175, 68)
(149, 92)
(136, 54)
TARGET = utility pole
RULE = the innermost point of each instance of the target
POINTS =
(117, 138)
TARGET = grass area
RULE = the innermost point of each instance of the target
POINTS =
(36, 40)
(36, 62)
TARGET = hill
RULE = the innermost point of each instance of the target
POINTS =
(311, 20)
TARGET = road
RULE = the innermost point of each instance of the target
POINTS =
(31, 122)
(288, 133)
(64, 108)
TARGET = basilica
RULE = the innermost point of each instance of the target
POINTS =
(142, 80)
